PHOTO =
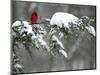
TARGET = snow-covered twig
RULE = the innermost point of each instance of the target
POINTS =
(91, 30)
(54, 38)
(64, 53)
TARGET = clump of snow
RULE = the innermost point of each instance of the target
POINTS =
(27, 28)
(47, 19)
(23, 26)
(91, 30)
(16, 23)
(61, 18)
(63, 53)
(18, 66)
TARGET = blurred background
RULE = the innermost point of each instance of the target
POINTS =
(81, 51)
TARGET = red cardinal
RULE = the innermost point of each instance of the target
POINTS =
(34, 17)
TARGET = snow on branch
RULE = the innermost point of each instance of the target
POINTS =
(91, 30)
(61, 18)
(71, 22)
(54, 38)
(64, 53)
